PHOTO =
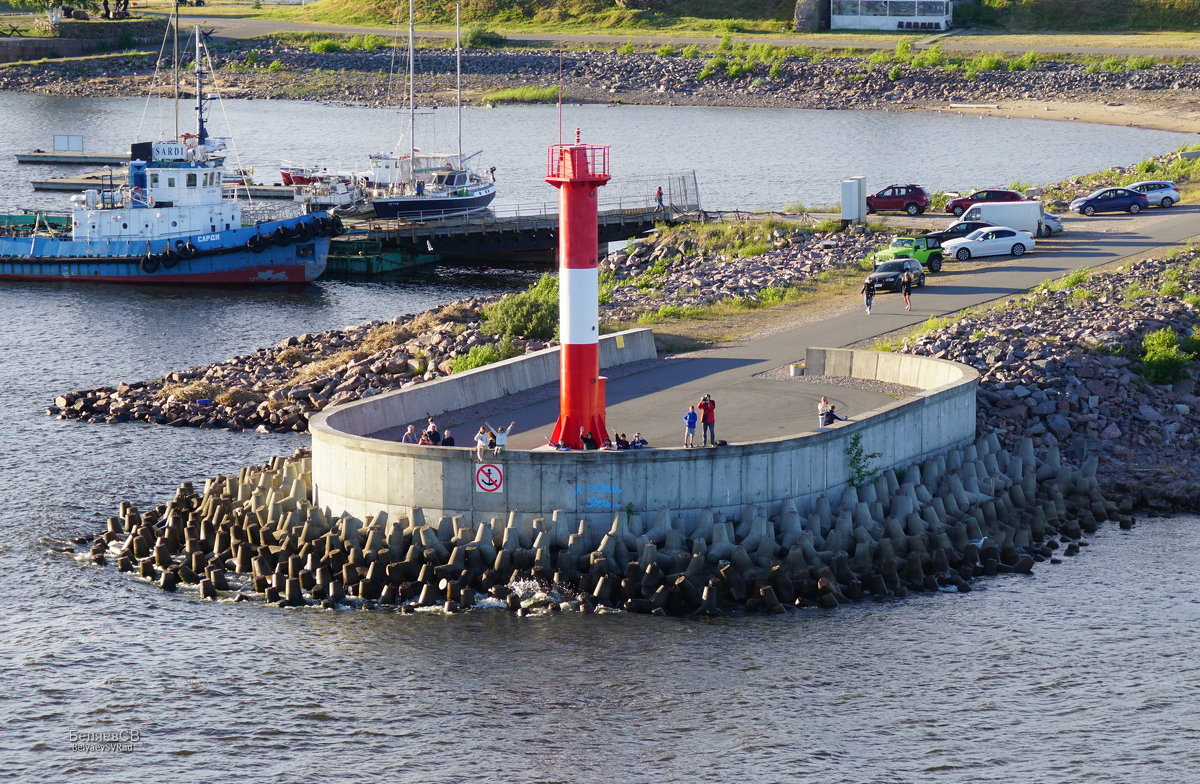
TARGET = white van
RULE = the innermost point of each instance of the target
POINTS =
(1020, 215)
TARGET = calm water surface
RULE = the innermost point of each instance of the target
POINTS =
(1085, 672)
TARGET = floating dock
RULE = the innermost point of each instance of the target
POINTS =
(83, 158)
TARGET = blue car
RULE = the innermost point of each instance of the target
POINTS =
(1111, 200)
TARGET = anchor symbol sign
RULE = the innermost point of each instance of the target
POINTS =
(489, 478)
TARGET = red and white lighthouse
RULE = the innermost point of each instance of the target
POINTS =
(578, 170)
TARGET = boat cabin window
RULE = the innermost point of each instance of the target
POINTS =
(170, 182)
(153, 180)
(191, 180)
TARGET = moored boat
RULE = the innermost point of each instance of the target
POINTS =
(170, 223)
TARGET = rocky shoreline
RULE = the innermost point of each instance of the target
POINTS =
(813, 82)
(1061, 367)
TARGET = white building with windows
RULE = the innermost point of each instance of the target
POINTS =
(926, 15)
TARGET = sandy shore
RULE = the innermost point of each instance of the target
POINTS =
(1181, 116)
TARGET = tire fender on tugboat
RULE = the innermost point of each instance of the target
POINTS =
(185, 249)
(257, 243)
(149, 264)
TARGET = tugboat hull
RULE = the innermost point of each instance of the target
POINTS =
(288, 251)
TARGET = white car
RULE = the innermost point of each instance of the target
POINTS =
(992, 241)
(1051, 224)
(1160, 192)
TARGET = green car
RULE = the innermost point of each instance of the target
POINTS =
(926, 250)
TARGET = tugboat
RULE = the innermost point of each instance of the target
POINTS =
(169, 224)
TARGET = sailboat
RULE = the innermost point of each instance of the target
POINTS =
(412, 184)
(170, 223)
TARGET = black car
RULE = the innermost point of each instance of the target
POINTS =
(887, 274)
(960, 229)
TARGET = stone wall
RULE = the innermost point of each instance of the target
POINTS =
(137, 29)
(355, 473)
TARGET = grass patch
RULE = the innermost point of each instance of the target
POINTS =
(190, 393)
(522, 95)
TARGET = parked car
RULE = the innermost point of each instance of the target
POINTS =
(1160, 192)
(1051, 224)
(909, 198)
(1111, 200)
(956, 230)
(963, 203)
(925, 249)
(992, 241)
(887, 273)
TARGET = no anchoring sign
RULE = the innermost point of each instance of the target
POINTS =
(489, 478)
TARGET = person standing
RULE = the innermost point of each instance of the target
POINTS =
(822, 406)
(906, 289)
(447, 439)
(410, 435)
(868, 292)
(689, 427)
(708, 420)
(658, 199)
(431, 430)
(481, 442)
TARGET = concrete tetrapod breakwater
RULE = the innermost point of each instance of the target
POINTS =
(972, 511)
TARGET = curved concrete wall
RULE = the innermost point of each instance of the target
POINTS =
(355, 473)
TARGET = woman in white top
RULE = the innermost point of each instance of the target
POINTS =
(822, 407)
(501, 437)
(481, 442)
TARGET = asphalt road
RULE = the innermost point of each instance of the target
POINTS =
(752, 408)
(227, 27)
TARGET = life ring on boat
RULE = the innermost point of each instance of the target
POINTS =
(256, 243)
(185, 250)
(149, 264)
(138, 195)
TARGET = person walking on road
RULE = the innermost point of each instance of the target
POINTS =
(906, 290)
(658, 199)
(689, 427)
(868, 292)
(708, 420)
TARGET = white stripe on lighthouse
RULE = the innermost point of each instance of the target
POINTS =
(579, 305)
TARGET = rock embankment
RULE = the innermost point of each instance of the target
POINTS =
(977, 511)
(814, 82)
(278, 388)
(1063, 368)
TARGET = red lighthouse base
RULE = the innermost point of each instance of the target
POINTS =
(581, 407)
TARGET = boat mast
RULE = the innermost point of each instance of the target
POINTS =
(458, 72)
(412, 105)
(175, 63)
(201, 131)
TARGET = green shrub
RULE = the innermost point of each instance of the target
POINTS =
(895, 73)
(1139, 62)
(478, 36)
(1163, 361)
(726, 44)
(626, 48)
(532, 313)
(485, 354)
(275, 67)
(251, 57)
(904, 50)
(929, 58)
(691, 52)
(1170, 289)
(1024, 62)
(325, 46)
(666, 51)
